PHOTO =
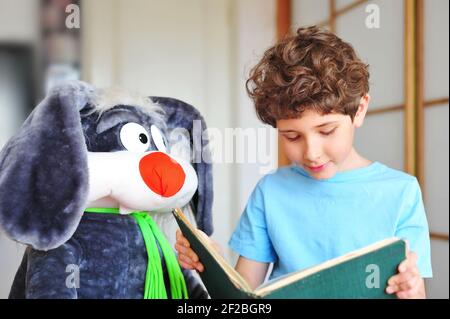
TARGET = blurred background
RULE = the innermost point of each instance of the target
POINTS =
(201, 51)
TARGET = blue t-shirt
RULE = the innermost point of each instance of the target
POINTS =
(297, 222)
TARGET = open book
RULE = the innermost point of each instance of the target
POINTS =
(362, 273)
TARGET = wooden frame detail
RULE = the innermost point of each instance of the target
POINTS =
(410, 89)
(332, 22)
(350, 7)
(420, 95)
(284, 11)
(387, 109)
(436, 102)
(439, 236)
(400, 107)
(339, 12)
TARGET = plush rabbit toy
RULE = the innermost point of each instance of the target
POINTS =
(82, 183)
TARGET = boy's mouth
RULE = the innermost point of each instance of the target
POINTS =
(316, 169)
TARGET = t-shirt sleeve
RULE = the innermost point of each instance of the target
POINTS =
(251, 239)
(413, 226)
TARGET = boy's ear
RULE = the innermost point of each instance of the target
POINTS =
(44, 172)
(183, 116)
(360, 115)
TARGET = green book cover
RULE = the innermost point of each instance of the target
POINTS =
(360, 274)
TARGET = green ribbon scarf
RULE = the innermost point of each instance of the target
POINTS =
(154, 279)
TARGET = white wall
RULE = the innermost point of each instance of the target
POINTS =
(18, 20)
(255, 25)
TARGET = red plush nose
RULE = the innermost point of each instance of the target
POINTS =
(162, 174)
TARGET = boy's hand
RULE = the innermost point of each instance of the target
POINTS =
(187, 258)
(407, 284)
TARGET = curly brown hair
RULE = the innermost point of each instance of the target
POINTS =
(311, 70)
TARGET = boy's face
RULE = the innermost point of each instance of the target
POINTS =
(322, 144)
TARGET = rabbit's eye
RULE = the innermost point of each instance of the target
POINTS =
(134, 138)
(158, 139)
(143, 138)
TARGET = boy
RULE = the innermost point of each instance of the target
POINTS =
(313, 88)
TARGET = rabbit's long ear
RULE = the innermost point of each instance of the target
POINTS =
(181, 115)
(44, 172)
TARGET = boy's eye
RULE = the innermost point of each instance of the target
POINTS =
(326, 133)
(291, 137)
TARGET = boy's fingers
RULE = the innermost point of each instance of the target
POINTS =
(413, 257)
(407, 281)
(400, 278)
(406, 276)
(403, 281)
(405, 294)
(409, 284)
(181, 250)
(403, 266)
(187, 263)
(191, 254)
(185, 266)
(392, 289)
(199, 267)
(393, 284)
(181, 239)
(394, 280)
(186, 259)
(186, 251)
(409, 262)
(416, 292)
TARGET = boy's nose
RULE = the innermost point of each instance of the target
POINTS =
(312, 153)
(162, 174)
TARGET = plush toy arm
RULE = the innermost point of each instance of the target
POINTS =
(53, 274)
(194, 286)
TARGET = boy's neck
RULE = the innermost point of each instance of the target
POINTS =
(354, 161)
